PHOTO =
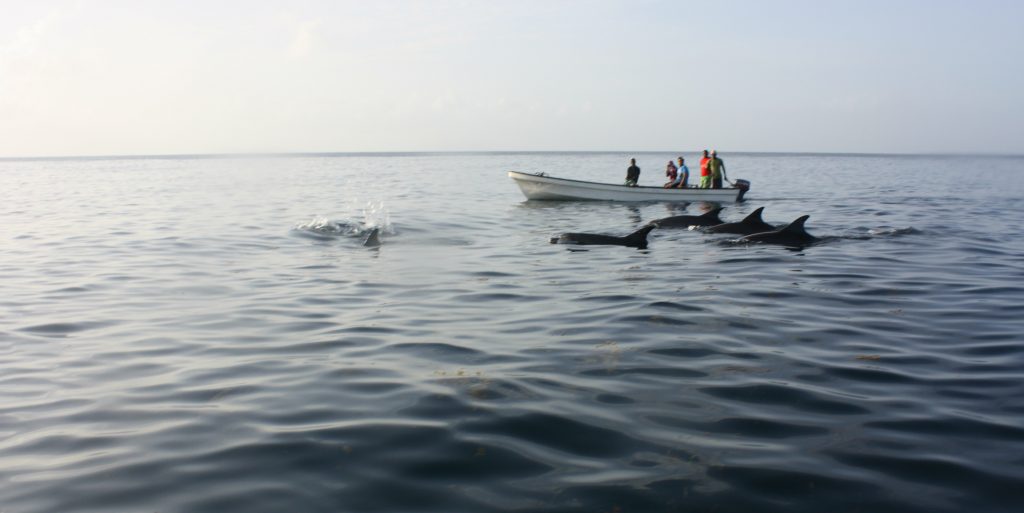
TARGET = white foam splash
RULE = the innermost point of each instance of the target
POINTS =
(893, 232)
(373, 215)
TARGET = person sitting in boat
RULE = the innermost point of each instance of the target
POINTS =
(632, 174)
(684, 175)
(671, 172)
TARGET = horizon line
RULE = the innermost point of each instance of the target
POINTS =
(299, 154)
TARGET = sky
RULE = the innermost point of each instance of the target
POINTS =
(141, 77)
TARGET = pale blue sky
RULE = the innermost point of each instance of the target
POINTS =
(156, 77)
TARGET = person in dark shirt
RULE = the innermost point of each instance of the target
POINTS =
(632, 174)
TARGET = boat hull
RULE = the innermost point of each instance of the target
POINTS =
(541, 187)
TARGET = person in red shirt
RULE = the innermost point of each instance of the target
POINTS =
(705, 171)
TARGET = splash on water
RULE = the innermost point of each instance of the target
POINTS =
(894, 232)
(372, 216)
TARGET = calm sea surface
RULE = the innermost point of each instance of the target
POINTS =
(210, 335)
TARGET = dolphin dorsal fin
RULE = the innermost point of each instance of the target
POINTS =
(373, 239)
(713, 212)
(754, 217)
(797, 225)
(641, 234)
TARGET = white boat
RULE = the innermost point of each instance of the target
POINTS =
(542, 187)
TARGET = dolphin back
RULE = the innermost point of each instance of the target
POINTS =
(709, 218)
(748, 226)
(792, 234)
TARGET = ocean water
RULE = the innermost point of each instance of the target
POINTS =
(210, 335)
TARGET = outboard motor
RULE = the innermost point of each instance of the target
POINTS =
(743, 186)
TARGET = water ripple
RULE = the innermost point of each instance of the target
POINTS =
(171, 340)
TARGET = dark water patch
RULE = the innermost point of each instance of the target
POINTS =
(870, 375)
(560, 434)
(304, 326)
(300, 419)
(613, 399)
(774, 294)
(740, 325)
(846, 277)
(74, 290)
(481, 387)
(663, 320)
(375, 388)
(560, 331)
(780, 483)
(685, 352)
(979, 382)
(844, 331)
(992, 370)
(229, 370)
(318, 347)
(441, 406)
(347, 373)
(899, 359)
(758, 428)
(644, 371)
(312, 315)
(473, 461)
(321, 300)
(951, 427)
(1002, 290)
(316, 267)
(614, 497)
(493, 274)
(939, 472)
(497, 297)
(962, 394)
(205, 394)
(677, 306)
(437, 351)
(978, 250)
(787, 396)
(524, 329)
(379, 330)
(67, 328)
(609, 298)
(995, 349)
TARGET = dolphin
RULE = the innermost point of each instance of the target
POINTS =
(792, 235)
(637, 239)
(708, 219)
(749, 225)
(373, 239)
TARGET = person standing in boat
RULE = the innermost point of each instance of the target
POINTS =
(684, 175)
(705, 171)
(671, 172)
(632, 174)
(717, 170)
